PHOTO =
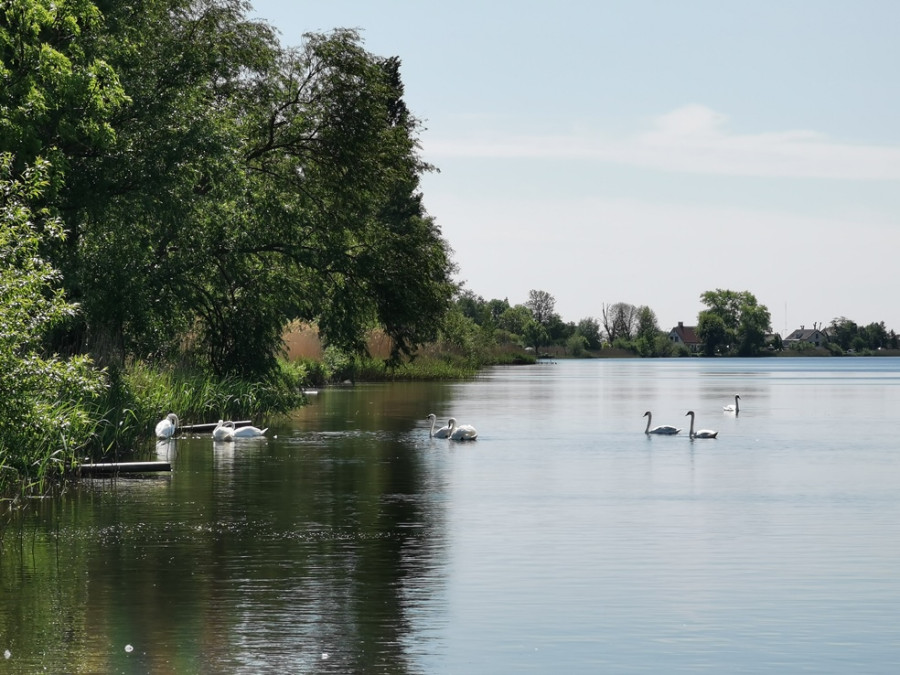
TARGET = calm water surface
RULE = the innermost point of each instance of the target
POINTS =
(564, 540)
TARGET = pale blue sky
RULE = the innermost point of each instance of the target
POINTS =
(646, 151)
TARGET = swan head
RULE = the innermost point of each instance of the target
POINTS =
(689, 412)
(646, 414)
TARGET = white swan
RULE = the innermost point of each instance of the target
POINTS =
(245, 432)
(222, 430)
(443, 432)
(462, 432)
(700, 433)
(166, 428)
(663, 429)
(736, 408)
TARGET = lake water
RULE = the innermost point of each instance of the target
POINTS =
(563, 540)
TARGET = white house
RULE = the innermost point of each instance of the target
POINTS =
(814, 336)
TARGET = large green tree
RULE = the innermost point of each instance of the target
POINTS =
(236, 186)
(734, 321)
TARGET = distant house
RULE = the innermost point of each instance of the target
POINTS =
(814, 336)
(687, 336)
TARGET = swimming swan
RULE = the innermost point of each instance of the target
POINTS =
(736, 408)
(166, 428)
(664, 429)
(463, 432)
(443, 432)
(245, 432)
(700, 433)
(222, 430)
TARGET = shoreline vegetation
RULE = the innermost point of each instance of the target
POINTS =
(119, 421)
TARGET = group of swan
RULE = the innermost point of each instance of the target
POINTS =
(668, 430)
(225, 431)
(453, 431)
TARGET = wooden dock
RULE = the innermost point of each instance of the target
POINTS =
(123, 467)
(210, 426)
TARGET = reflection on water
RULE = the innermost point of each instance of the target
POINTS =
(562, 540)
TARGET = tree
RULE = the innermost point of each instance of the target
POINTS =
(496, 308)
(712, 331)
(58, 90)
(473, 306)
(515, 319)
(755, 322)
(843, 331)
(742, 322)
(589, 329)
(619, 321)
(647, 332)
(542, 306)
(238, 184)
(647, 326)
(534, 334)
(44, 401)
(876, 335)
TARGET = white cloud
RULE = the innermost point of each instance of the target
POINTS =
(692, 139)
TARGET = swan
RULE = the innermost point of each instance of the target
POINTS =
(700, 433)
(244, 432)
(463, 432)
(736, 408)
(443, 432)
(222, 430)
(166, 428)
(664, 429)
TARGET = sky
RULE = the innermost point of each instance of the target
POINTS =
(647, 151)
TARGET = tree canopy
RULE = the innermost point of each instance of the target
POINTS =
(214, 185)
(733, 322)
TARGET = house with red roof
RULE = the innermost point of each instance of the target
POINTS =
(687, 336)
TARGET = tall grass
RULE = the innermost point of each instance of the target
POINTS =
(116, 421)
(141, 395)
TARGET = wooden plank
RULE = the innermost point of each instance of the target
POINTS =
(124, 467)
(210, 426)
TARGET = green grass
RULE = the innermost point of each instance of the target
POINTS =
(119, 420)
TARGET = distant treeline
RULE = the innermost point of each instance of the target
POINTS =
(733, 323)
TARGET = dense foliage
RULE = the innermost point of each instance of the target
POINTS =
(214, 185)
(45, 402)
(847, 336)
(734, 322)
